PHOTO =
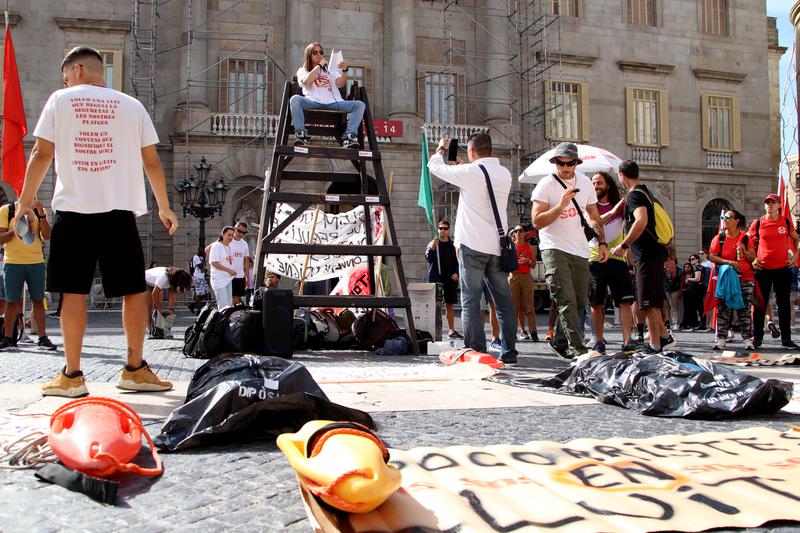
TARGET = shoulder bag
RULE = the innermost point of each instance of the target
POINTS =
(509, 262)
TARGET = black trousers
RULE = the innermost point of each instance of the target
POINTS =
(779, 280)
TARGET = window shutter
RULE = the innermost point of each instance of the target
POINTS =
(704, 122)
(584, 95)
(223, 85)
(461, 93)
(547, 108)
(117, 73)
(629, 115)
(663, 117)
(269, 72)
(421, 95)
(736, 125)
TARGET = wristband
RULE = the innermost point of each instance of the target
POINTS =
(602, 244)
(41, 217)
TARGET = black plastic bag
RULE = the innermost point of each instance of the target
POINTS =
(672, 384)
(238, 398)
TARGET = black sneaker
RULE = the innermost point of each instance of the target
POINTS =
(301, 138)
(6, 342)
(534, 336)
(790, 344)
(454, 335)
(561, 352)
(757, 343)
(632, 347)
(46, 343)
(668, 343)
(649, 350)
(350, 141)
(773, 330)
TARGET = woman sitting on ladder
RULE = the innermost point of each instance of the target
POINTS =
(321, 91)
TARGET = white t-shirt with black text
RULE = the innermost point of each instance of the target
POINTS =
(565, 233)
(239, 250)
(221, 254)
(157, 277)
(98, 135)
(323, 89)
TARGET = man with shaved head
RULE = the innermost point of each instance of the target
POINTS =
(100, 139)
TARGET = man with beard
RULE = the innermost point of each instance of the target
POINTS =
(612, 275)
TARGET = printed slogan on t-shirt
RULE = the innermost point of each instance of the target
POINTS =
(93, 145)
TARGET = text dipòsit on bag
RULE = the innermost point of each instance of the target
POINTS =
(509, 262)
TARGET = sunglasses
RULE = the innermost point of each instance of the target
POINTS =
(443, 228)
(725, 217)
(317, 52)
(566, 163)
(241, 232)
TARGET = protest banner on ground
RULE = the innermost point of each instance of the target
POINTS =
(669, 482)
(345, 228)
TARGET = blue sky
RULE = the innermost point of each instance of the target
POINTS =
(780, 9)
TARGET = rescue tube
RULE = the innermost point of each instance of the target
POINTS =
(468, 355)
(343, 463)
(99, 437)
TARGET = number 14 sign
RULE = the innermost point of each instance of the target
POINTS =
(389, 128)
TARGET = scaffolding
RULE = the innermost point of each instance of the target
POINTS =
(199, 72)
(532, 34)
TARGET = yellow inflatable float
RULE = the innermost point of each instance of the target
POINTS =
(343, 463)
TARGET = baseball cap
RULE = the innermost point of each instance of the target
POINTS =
(774, 197)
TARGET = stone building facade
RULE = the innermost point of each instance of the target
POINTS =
(687, 87)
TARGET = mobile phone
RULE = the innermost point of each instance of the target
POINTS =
(452, 152)
(577, 190)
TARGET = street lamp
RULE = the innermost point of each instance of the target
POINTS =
(521, 202)
(200, 198)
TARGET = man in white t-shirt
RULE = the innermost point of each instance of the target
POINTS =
(240, 250)
(477, 239)
(565, 249)
(321, 91)
(100, 139)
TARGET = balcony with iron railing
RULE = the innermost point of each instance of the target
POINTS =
(244, 125)
(435, 131)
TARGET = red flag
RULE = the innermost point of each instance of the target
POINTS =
(14, 125)
(785, 209)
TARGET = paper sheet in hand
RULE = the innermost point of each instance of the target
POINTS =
(336, 58)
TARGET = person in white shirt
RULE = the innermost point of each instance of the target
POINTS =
(100, 139)
(477, 239)
(220, 258)
(170, 279)
(241, 252)
(564, 245)
(321, 91)
(198, 272)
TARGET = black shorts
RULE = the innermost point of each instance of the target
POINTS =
(80, 241)
(450, 289)
(238, 287)
(650, 282)
(614, 275)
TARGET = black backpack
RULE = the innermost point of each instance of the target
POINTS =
(245, 332)
(206, 337)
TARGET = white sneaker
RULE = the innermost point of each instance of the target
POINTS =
(730, 335)
(748, 344)
(720, 344)
(676, 327)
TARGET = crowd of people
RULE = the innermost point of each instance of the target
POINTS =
(599, 245)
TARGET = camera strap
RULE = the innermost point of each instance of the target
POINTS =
(574, 202)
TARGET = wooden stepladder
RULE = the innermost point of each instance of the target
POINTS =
(321, 123)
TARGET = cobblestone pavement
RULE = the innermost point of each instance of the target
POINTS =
(250, 487)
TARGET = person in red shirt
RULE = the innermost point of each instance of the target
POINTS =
(521, 284)
(776, 246)
(737, 250)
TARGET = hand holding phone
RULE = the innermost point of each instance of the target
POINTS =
(452, 151)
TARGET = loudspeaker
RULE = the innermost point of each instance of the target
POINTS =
(277, 314)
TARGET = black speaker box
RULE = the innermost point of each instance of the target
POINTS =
(277, 313)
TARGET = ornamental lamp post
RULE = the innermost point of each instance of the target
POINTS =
(202, 199)
(521, 202)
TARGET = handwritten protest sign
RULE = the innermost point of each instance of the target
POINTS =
(345, 228)
(669, 482)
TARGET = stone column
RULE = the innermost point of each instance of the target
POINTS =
(496, 64)
(301, 29)
(195, 12)
(403, 60)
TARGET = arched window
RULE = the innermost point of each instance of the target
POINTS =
(711, 214)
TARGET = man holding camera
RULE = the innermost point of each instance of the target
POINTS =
(559, 203)
(477, 239)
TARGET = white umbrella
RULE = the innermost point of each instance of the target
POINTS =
(594, 160)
